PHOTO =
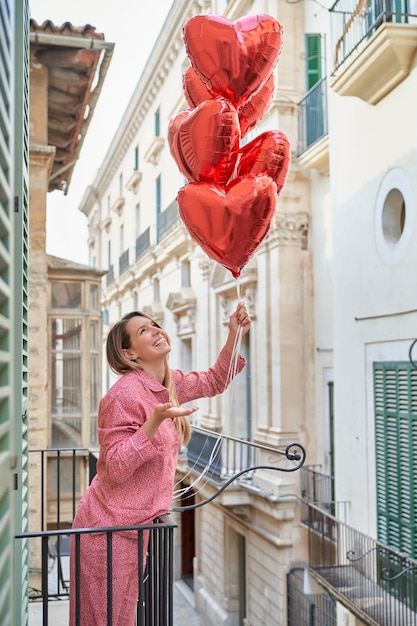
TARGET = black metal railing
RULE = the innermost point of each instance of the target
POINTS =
(143, 242)
(312, 116)
(51, 580)
(353, 22)
(167, 219)
(222, 460)
(123, 261)
(316, 488)
(375, 581)
(62, 476)
(307, 608)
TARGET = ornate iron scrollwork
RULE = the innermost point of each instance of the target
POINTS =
(293, 452)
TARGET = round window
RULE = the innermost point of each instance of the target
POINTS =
(394, 215)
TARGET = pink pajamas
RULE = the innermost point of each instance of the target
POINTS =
(133, 485)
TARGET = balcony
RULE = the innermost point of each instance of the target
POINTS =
(318, 489)
(374, 581)
(167, 220)
(373, 44)
(143, 243)
(313, 145)
(224, 460)
(62, 475)
(110, 276)
(123, 262)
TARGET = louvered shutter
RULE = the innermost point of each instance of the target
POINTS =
(20, 308)
(395, 393)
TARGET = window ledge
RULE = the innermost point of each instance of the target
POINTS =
(316, 157)
(118, 205)
(154, 150)
(106, 223)
(382, 64)
(134, 180)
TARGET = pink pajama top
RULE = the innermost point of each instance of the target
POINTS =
(135, 475)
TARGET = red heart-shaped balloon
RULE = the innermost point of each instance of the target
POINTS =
(233, 59)
(205, 141)
(229, 224)
(256, 106)
(195, 90)
(269, 154)
(250, 112)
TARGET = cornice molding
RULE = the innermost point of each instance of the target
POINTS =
(41, 156)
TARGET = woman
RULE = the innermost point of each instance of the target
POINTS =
(141, 425)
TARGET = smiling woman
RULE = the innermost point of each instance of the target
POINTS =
(141, 426)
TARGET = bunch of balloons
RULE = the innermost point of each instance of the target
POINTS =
(230, 200)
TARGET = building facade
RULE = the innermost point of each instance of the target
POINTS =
(334, 317)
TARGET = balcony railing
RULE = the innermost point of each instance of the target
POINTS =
(376, 582)
(318, 489)
(312, 116)
(51, 580)
(353, 22)
(223, 459)
(123, 261)
(143, 242)
(167, 219)
(62, 476)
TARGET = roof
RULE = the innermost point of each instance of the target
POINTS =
(77, 58)
(55, 263)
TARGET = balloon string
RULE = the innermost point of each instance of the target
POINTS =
(230, 377)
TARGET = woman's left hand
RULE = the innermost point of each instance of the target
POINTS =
(240, 318)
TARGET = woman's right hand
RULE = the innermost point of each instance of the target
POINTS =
(163, 412)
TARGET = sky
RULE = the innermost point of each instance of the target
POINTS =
(133, 26)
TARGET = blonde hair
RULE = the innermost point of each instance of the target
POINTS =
(118, 340)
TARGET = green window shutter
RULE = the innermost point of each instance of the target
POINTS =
(314, 60)
(395, 399)
(20, 308)
(6, 290)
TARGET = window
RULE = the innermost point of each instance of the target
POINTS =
(120, 184)
(109, 252)
(158, 195)
(395, 400)
(394, 215)
(94, 303)
(137, 220)
(136, 158)
(157, 123)
(185, 274)
(66, 295)
(66, 369)
(94, 378)
(122, 238)
(314, 70)
(156, 294)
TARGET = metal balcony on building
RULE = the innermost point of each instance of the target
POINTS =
(374, 581)
(61, 476)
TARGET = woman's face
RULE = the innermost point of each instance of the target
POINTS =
(147, 341)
